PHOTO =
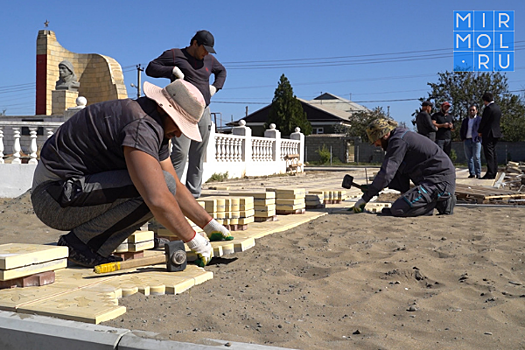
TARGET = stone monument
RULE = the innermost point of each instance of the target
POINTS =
(68, 79)
(66, 88)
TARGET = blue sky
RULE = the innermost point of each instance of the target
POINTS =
(347, 48)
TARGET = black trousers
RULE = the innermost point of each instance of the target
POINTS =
(489, 148)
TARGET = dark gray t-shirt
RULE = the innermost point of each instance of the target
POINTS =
(92, 140)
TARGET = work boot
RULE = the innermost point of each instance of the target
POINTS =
(81, 254)
(446, 207)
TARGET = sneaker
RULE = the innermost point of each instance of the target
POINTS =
(81, 254)
(471, 176)
(478, 176)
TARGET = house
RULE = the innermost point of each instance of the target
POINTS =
(325, 113)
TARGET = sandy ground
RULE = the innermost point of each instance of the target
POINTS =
(344, 281)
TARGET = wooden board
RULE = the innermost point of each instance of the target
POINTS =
(481, 194)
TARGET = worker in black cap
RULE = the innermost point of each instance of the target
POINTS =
(195, 65)
(443, 121)
(424, 123)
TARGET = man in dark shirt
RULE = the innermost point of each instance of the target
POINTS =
(106, 171)
(194, 65)
(490, 133)
(424, 123)
(411, 157)
(443, 121)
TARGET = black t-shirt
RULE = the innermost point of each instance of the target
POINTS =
(442, 133)
(92, 140)
(195, 71)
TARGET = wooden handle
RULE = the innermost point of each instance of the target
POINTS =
(128, 264)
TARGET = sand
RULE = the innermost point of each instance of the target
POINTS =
(345, 281)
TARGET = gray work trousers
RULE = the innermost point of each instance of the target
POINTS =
(102, 210)
(193, 151)
(424, 198)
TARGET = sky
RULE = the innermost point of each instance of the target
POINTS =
(375, 53)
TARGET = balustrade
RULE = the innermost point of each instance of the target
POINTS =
(11, 138)
(239, 154)
(228, 148)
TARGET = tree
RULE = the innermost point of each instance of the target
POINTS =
(360, 120)
(286, 111)
(462, 89)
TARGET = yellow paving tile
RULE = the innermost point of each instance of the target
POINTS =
(292, 202)
(288, 193)
(80, 294)
(32, 269)
(79, 305)
(140, 246)
(13, 255)
(140, 236)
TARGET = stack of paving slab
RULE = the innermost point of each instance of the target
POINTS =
(289, 201)
(234, 212)
(263, 204)
(316, 199)
(25, 265)
(135, 245)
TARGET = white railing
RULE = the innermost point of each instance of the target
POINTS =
(262, 149)
(238, 153)
(228, 148)
(12, 143)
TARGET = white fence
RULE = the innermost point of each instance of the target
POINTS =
(239, 154)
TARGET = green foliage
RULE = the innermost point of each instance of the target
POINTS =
(286, 111)
(324, 154)
(463, 89)
(359, 121)
(218, 177)
(453, 155)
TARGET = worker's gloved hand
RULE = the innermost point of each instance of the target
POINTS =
(217, 232)
(359, 206)
(213, 90)
(202, 247)
(178, 73)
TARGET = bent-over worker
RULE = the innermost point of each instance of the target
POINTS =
(106, 171)
(411, 156)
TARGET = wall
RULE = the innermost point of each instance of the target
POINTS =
(505, 151)
(240, 154)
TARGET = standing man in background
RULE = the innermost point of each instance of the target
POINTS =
(472, 142)
(443, 122)
(195, 65)
(424, 123)
(490, 133)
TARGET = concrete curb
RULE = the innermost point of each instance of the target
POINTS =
(23, 331)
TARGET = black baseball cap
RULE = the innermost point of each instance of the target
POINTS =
(205, 39)
(427, 103)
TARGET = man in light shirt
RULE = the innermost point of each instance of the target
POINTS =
(472, 142)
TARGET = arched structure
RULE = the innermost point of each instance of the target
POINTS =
(100, 76)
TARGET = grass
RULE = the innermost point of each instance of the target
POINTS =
(218, 177)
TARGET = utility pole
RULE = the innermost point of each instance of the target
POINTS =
(139, 70)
